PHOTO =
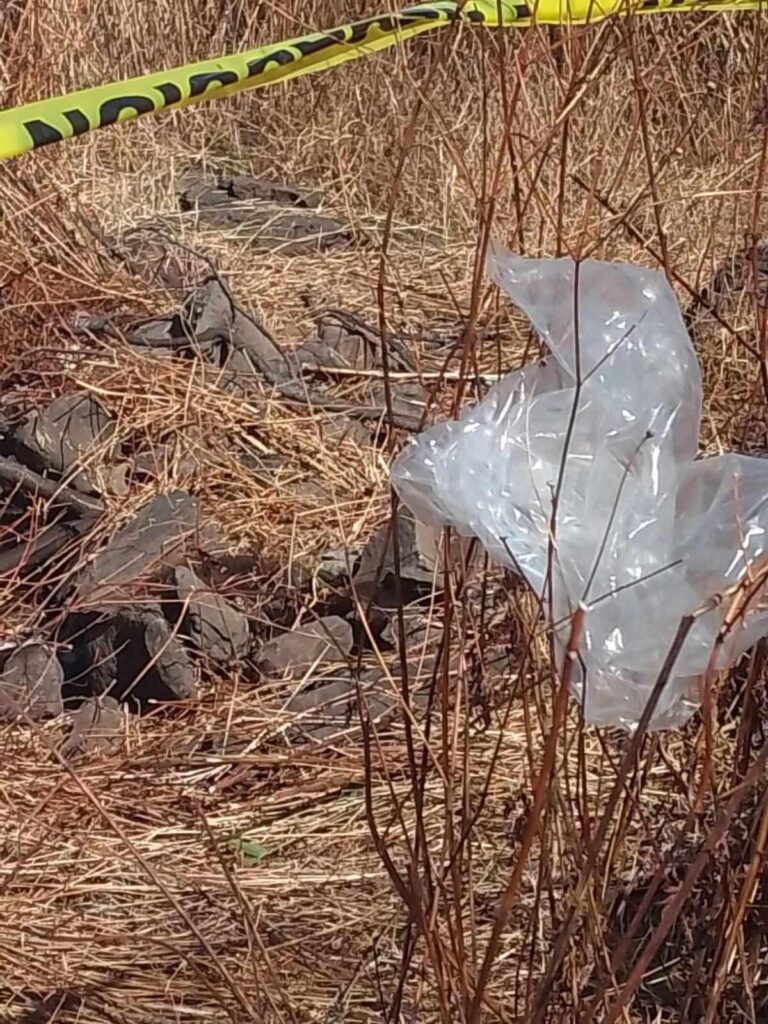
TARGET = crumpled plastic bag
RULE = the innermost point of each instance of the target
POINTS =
(644, 533)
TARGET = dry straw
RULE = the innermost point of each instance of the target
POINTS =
(383, 854)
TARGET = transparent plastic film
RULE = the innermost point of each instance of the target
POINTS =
(605, 429)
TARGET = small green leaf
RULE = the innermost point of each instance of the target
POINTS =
(251, 851)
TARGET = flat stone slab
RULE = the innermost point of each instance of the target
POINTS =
(142, 546)
(97, 726)
(31, 682)
(219, 630)
(325, 641)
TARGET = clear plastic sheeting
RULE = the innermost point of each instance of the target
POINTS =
(605, 431)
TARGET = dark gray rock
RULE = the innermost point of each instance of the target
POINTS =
(417, 631)
(265, 224)
(135, 655)
(327, 696)
(198, 191)
(423, 643)
(254, 341)
(322, 711)
(46, 543)
(170, 658)
(315, 355)
(211, 311)
(325, 641)
(325, 710)
(83, 322)
(340, 428)
(380, 698)
(418, 548)
(24, 479)
(153, 539)
(409, 402)
(217, 325)
(67, 432)
(162, 459)
(99, 653)
(270, 216)
(350, 348)
(359, 344)
(97, 727)
(203, 196)
(219, 630)
(294, 232)
(244, 186)
(31, 683)
(336, 566)
(164, 333)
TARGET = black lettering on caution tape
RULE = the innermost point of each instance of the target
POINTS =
(78, 120)
(199, 83)
(42, 134)
(110, 110)
(281, 57)
(307, 47)
(170, 92)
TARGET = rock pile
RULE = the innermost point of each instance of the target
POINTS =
(135, 612)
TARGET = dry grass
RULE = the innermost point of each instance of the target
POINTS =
(121, 899)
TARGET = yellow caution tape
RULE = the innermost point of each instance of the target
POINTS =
(37, 124)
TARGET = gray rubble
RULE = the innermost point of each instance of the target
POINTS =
(30, 683)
